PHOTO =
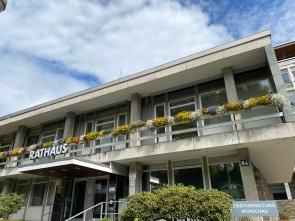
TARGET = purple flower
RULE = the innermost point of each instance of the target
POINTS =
(39, 145)
(107, 131)
(212, 110)
(270, 96)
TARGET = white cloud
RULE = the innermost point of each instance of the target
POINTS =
(102, 39)
(276, 15)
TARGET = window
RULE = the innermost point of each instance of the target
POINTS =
(291, 95)
(51, 193)
(48, 136)
(278, 191)
(105, 124)
(152, 180)
(122, 120)
(189, 177)
(88, 129)
(160, 112)
(286, 78)
(213, 98)
(255, 88)
(186, 104)
(34, 139)
(24, 189)
(154, 176)
(227, 178)
(38, 191)
(4, 146)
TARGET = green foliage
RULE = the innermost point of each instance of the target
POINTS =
(178, 202)
(284, 215)
(10, 203)
(245, 218)
(106, 219)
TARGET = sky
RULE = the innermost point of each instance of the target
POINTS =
(52, 48)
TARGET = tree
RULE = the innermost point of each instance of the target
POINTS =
(10, 203)
(178, 202)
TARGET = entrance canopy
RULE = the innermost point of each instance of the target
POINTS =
(71, 168)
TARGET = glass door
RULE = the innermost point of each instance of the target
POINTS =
(100, 195)
(78, 198)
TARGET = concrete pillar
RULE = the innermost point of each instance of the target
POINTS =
(135, 113)
(20, 136)
(69, 125)
(135, 178)
(231, 92)
(206, 173)
(170, 173)
(19, 142)
(89, 200)
(248, 176)
(278, 81)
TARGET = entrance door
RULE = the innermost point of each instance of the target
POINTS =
(78, 198)
(100, 195)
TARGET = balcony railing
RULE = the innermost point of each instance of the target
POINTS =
(151, 137)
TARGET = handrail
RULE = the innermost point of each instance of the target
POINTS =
(86, 210)
(79, 147)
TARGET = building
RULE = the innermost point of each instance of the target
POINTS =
(241, 153)
(285, 54)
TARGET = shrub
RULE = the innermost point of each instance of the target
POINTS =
(106, 219)
(10, 203)
(178, 202)
(284, 215)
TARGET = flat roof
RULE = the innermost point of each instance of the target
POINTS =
(143, 73)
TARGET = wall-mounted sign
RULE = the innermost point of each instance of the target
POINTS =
(244, 163)
(255, 208)
(46, 152)
(132, 180)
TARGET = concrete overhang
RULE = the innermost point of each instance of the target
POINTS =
(71, 168)
(271, 150)
(196, 68)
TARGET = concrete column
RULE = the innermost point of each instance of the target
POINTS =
(19, 142)
(170, 173)
(135, 116)
(135, 178)
(69, 125)
(206, 173)
(278, 81)
(89, 200)
(248, 176)
(20, 136)
(231, 91)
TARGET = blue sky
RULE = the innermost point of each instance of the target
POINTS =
(52, 48)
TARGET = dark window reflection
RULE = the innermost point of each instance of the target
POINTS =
(227, 178)
(189, 177)
(154, 179)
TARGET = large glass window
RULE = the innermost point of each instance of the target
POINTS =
(227, 178)
(38, 191)
(24, 189)
(152, 180)
(48, 136)
(105, 124)
(286, 78)
(255, 88)
(291, 95)
(186, 104)
(189, 177)
(160, 112)
(278, 191)
(4, 146)
(88, 129)
(214, 98)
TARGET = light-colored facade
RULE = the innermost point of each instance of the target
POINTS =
(241, 154)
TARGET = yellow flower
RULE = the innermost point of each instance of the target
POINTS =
(264, 100)
(69, 140)
(160, 122)
(234, 106)
(92, 136)
(48, 144)
(125, 130)
(184, 116)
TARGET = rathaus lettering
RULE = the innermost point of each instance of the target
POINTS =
(46, 152)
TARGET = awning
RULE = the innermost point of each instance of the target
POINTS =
(71, 168)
